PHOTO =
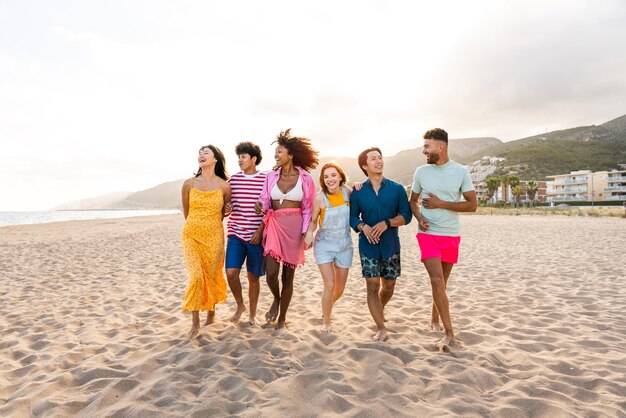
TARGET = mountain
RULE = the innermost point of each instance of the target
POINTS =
(401, 166)
(95, 203)
(163, 196)
(593, 148)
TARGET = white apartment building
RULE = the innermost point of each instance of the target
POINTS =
(577, 186)
(616, 185)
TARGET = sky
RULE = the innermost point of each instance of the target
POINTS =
(97, 97)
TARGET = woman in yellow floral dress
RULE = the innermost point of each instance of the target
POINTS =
(204, 198)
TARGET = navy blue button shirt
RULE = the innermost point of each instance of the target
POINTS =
(366, 206)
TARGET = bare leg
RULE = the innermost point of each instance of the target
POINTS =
(285, 295)
(195, 325)
(341, 277)
(254, 289)
(434, 316)
(375, 307)
(235, 287)
(328, 276)
(385, 293)
(210, 316)
(438, 285)
(272, 268)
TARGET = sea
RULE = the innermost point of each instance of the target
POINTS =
(25, 218)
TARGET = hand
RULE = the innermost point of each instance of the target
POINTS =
(256, 237)
(308, 240)
(357, 185)
(423, 224)
(227, 209)
(258, 208)
(367, 231)
(378, 229)
(432, 202)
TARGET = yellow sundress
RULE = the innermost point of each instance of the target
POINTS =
(203, 248)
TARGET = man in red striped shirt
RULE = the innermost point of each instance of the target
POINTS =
(245, 229)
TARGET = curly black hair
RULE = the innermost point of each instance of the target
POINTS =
(253, 150)
(304, 155)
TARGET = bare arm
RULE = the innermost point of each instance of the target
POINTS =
(226, 191)
(469, 205)
(185, 196)
(258, 235)
(415, 210)
(315, 214)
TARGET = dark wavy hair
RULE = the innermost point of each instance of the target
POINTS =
(304, 155)
(363, 157)
(220, 166)
(437, 134)
(253, 150)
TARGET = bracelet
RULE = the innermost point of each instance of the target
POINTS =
(388, 222)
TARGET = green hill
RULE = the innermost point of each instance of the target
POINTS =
(593, 148)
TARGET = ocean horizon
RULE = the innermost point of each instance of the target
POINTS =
(48, 216)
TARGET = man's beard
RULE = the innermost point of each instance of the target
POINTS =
(432, 158)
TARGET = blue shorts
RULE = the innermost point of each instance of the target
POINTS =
(238, 250)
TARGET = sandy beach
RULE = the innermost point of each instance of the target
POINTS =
(92, 326)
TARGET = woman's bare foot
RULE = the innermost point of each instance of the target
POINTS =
(270, 316)
(381, 335)
(193, 333)
(445, 342)
(326, 328)
(210, 317)
(253, 321)
(240, 309)
(281, 324)
(435, 326)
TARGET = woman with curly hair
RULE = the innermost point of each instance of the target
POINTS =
(204, 198)
(286, 200)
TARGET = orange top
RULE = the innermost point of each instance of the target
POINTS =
(334, 200)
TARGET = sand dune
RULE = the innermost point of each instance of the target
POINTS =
(92, 326)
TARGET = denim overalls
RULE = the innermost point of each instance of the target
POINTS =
(333, 242)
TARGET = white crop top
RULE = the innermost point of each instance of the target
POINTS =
(296, 194)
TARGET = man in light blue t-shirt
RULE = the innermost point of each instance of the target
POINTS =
(440, 183)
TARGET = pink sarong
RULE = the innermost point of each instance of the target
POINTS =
(282, 237)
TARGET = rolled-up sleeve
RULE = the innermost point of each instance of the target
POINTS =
(355, 210)
(403, 205)
(265, 197)
(308, 187)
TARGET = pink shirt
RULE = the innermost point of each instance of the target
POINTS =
(308, 187)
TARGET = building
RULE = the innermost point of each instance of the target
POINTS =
(615, 185)
(577, 186)
(505, 194)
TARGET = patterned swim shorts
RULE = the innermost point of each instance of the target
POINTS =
(388, 268)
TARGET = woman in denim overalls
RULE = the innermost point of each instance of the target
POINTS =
(333, 244)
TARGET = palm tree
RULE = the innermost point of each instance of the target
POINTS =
(518, 191)
(492, 186)
(531, 188)
(513, 182)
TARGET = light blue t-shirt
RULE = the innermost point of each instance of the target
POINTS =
(448, 182)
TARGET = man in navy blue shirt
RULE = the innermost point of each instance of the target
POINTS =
(376, 212)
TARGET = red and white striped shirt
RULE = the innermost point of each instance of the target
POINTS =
(245, 189)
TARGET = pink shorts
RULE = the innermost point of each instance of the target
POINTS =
(439, 246)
